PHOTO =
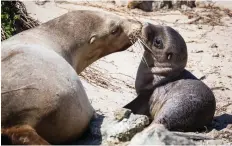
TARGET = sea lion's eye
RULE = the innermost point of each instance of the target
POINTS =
(157, 42)
(115, 31)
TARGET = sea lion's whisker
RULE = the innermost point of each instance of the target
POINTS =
(143, 58)
(140, 46)
(140, 40)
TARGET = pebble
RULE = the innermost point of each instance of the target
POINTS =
(215, 55)
(214, 45)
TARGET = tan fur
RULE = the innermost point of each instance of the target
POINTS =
(40, 86)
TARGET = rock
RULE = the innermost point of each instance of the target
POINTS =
(215, 55)
(156, 134)
(214, 45)
(185, 7)
(178, 4)
(161, 5)
(122, 113)
(203, 4)
(212, 142)
(124, 130)
(197, 51)
(120, 3)
(143, 5)
(229, 126)
(193, 136)
(41, 2)
(107, 130)
(149, 6)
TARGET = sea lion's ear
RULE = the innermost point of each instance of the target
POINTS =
(92, 39)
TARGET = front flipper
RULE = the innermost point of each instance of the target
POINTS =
(21, 135)
(140, 105)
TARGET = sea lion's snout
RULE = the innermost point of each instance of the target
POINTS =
(133, 29)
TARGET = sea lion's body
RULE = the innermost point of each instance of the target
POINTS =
(167, 92)
(43, 98)
(43, 91)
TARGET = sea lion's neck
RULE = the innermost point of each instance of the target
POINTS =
(154, 76)
(67, 42)
(159, 80)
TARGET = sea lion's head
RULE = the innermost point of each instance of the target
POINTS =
(165, 49)
(94, 34)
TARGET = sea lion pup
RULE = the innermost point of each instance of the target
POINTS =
(167, 92)
(43, 99)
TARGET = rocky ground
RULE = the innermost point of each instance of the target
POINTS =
(109, 82)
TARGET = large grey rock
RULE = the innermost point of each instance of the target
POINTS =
(125, 128)
(149, 6)
(156, 134)
(114, 130)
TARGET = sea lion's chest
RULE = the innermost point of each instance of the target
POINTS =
(160, 96)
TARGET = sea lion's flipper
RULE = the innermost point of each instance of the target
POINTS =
(140, 105)
(21, 135)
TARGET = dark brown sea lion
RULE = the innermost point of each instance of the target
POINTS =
(167, 92)
(43, 100)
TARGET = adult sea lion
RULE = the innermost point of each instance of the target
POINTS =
(43, 99)
(167, 92)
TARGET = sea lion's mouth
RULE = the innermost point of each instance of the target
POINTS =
(124, 48)
(161, 70)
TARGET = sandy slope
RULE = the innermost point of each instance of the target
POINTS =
(210, 58)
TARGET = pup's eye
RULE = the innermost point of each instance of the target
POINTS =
(115, 31)
(157, 42)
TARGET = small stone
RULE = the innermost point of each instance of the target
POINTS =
(229, 126)
(121, 113)
(214, 45)
(215, 55)
(130, 49)
(197, 51)
(199, 27)
(120, 3)
(185, 7)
